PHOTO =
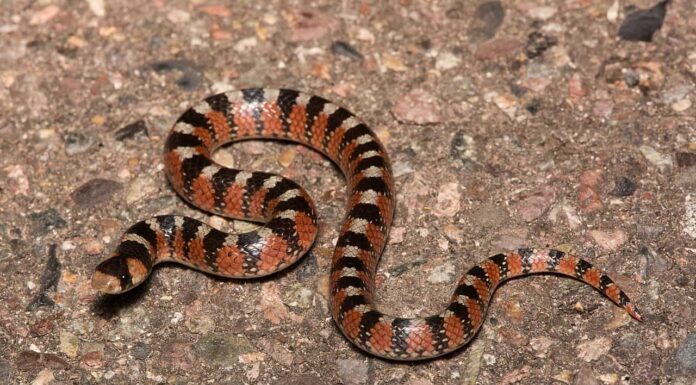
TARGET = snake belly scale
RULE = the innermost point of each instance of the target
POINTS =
(291, 223)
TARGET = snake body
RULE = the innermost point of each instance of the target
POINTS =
(291, 223)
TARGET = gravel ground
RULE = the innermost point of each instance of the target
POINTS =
(509, 124)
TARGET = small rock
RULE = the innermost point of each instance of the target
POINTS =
(97, 7)
(310, 25)
(593, 349)
(299, 296)
(139, 189)
(343, 48)
(47, 220)
(588, 197)
(278, 352)
(178, 354)
(272, 307)
(131, 130)
(94, 246)
(448, 200)
(662, 162)
(498, 48)
(417, 106)
(94, 192)
(446, 61)
(630, 77)
(462, 149)
(681, 105)
(533, 205)
(576, 90)
(686, 159)
(538, 43)
(178, 16)
(140, 351)
(28, 360)
(286, 157)
(353, 372)
(69, 344)
(642, 24)
(623, 187)
(542, 13)
(646, 370)
(585, 376)
(44, 377)
(394, 63)
(609, 240)
(77, 143)
(505, 101)
(442, 274)
(487, 19)
(222, 349)
(93, 358)
(41, 327)
(685, 356)
(541, 346)
(690, 215)
(603, 108)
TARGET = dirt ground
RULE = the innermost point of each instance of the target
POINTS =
(509, 124)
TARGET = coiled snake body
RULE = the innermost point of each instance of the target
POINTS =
(291, 223)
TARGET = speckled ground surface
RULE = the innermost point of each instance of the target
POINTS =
(513, 123)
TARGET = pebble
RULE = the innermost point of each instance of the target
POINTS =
(139, 189)
(28, 360)
(47, 220)
(623, 187)
(686, 159)
(690, 215)
(278, 352)
(505, 101)
(682, 105)
(178, 354)
(585, 376)
(41, 327)
(44, 377)
(642, 24)
(131, 130)
(93, 246)
(97, 7)
(442, 274)
(417, 106)
(538, 43)
(222, 349)
(299, 296)
(462, 150)
(448, 200)
(286, 157)
(272, 307)
(95, 192)
(609, 240)
(487, 19)
(446, 61)
(44, 15)
(352, 371)
(343, 48)
(394, 63)
(662, 162)
(69, 344)
(534, 204)
(589, 200)
(178, 16)
(140, 350)
(685, 355)
(77, 143)
(542, 13)
(498, 48)
(591, 350)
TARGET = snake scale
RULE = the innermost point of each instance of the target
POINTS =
(290, 220)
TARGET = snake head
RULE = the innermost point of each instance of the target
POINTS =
(119, 274)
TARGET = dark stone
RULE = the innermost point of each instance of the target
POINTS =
(189, 81)
(47, 220)
(538, 43)
(403, 268)
(77, 143)
(631, 78)
(642, 24)
(49, 281)
(685, 356)
(686, 159)
(342, 48)
(623, 187)
(94, 192)
(459, 150)
(533, 106)
(140, 351)
(487, 19)
(28, 360)
(131, 130)
(307, 268)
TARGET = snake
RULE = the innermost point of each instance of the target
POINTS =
(288, 223)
